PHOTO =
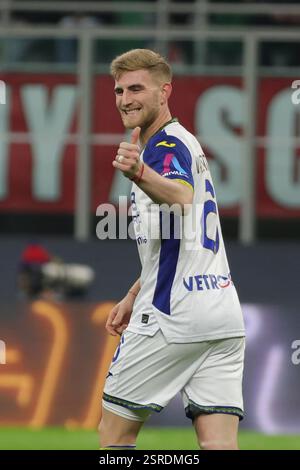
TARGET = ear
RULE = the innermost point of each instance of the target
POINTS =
(166, 92)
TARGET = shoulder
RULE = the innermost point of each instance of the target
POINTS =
(174, 137)
(178, 131)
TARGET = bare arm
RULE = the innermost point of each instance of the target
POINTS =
(135, 288)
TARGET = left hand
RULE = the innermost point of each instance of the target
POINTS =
(128, 155)
(119, 316)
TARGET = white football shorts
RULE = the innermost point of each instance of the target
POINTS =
(147, 372)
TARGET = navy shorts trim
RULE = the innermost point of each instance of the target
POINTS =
(131, 405)
(193, 410)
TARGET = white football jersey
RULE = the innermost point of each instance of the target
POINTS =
(186, 287)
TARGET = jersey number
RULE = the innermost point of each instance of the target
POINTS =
(209, 206)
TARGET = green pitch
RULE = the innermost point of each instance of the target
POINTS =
(150, 438)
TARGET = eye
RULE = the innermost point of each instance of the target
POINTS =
(118, 91)
(136, 88)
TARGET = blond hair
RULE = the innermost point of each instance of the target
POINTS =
(137, 59)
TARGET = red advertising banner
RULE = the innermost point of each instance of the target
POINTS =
(40, 175)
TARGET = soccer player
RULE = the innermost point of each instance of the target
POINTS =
(181, 323)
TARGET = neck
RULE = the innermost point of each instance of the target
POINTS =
(148, 132)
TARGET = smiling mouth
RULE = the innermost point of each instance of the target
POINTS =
(128, 112)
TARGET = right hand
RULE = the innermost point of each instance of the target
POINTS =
(130, 163)
(119, 316)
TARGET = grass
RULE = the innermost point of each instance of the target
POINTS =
(150, 438)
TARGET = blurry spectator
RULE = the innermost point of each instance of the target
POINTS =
(35, 253)
(30, 280)
(16, 49)
(176, 54)
(41, 274)
(276, 54)
(66, 48)
(182, 53)
(183, 18)
(224, 52)
(179, 54)
(127, 19)
(285, 53)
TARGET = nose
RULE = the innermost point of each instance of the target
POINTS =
(126, 98)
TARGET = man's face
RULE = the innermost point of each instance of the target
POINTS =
(138, 98)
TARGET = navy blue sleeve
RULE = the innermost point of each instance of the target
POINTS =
(170, 157)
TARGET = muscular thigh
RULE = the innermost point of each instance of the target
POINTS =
(216, 386)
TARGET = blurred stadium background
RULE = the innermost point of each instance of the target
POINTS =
(235, 65)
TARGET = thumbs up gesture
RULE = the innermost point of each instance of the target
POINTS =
(128, 156)
(135, 135)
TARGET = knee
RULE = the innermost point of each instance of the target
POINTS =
(110, 434)
(214, 444)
